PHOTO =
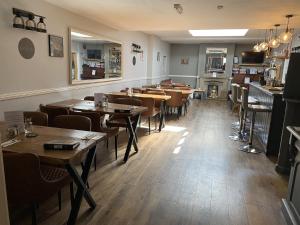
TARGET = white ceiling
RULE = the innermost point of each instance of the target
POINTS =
(160, 18)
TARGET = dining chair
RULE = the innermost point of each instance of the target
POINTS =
(137, 90)
(74, 122)
(182, 88)
(37, 118)
(89, 98)
(157, 101)
(97, 120)
(176, 101)
(152, 111)
(53, 112)
(118, 121)
(29, 183)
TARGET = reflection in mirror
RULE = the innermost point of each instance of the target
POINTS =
(94, 58)
(215, 60)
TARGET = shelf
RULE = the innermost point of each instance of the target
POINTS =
(253, 65)
(97, 60)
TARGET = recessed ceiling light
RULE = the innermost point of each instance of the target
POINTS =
(220, 6)
(219, 33)
(79, 34)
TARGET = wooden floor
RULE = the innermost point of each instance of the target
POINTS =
(190, 173)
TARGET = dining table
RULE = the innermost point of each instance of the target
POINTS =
(162, 98)
(84, 152)
(120, 110)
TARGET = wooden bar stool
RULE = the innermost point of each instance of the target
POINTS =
(249, 148)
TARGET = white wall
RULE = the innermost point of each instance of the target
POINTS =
(158, 69)
(197, 58)
(45, 79)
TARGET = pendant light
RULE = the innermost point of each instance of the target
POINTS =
(286, 36)
(274, 42)
(264, 45)
(257, 48)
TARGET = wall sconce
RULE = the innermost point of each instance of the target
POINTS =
(30, 23)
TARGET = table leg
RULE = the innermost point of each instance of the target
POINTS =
(132, 138)
(82, 190)
(162, 114)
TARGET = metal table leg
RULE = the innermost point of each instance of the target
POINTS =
(162, 114)
(82, 190)
(132, 138)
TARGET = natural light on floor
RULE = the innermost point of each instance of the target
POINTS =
(174, 128)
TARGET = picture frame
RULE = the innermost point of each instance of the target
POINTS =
(184, 60)
(56, 46)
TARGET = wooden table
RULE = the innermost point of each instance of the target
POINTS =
(161, 98)
(64, 158)
(184, 92)
(82, 105)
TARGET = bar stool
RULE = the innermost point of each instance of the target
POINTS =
(235, 94)
(241, 135)
(254, 108)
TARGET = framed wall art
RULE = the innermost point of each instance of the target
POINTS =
(56, 46)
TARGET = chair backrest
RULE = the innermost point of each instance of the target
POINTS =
(75, 122)
(238, 91)
(124, 90)
(23, 177)
(183, 88)
(155, 92)
(37, 118)
(149, 103)
(89, 98)
(53, 112)
(244, 98)
(137, 90)
(95, 117)
(234, 93)
(176, 98)
(128, 101)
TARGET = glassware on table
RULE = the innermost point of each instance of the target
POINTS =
(28, 126)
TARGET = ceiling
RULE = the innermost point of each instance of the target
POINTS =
(160, 18)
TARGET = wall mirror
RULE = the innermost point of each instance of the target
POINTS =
(215, 60)
(94, 58)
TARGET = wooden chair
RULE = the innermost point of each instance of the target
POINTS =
(97, 119)
(53, 112)
(151, 112)
(158, 92)
(89, 98)
(74, 122)
(37, 118)
(124, 90)
(29, 183)
(118, 121)
(137, 90)
(176, 101)
(182, 88)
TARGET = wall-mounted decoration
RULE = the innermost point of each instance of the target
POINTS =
(158, 57)
(26, 48)
(29, 23)
(136, 48)
(133, 60)
(56, 46)
(184, 60)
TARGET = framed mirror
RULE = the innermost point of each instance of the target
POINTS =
(215, 60)
(93, 58)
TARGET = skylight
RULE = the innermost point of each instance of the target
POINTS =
(76, 34)
(219, 33)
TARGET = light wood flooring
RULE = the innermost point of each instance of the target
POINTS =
(190, 173)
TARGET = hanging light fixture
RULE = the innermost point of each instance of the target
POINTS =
(264, 45)
(30, 23)
(286, 36)
(257, 48)
(18, 21)
(274, 42)
(41, 26)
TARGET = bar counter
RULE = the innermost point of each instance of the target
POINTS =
(269, 125)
